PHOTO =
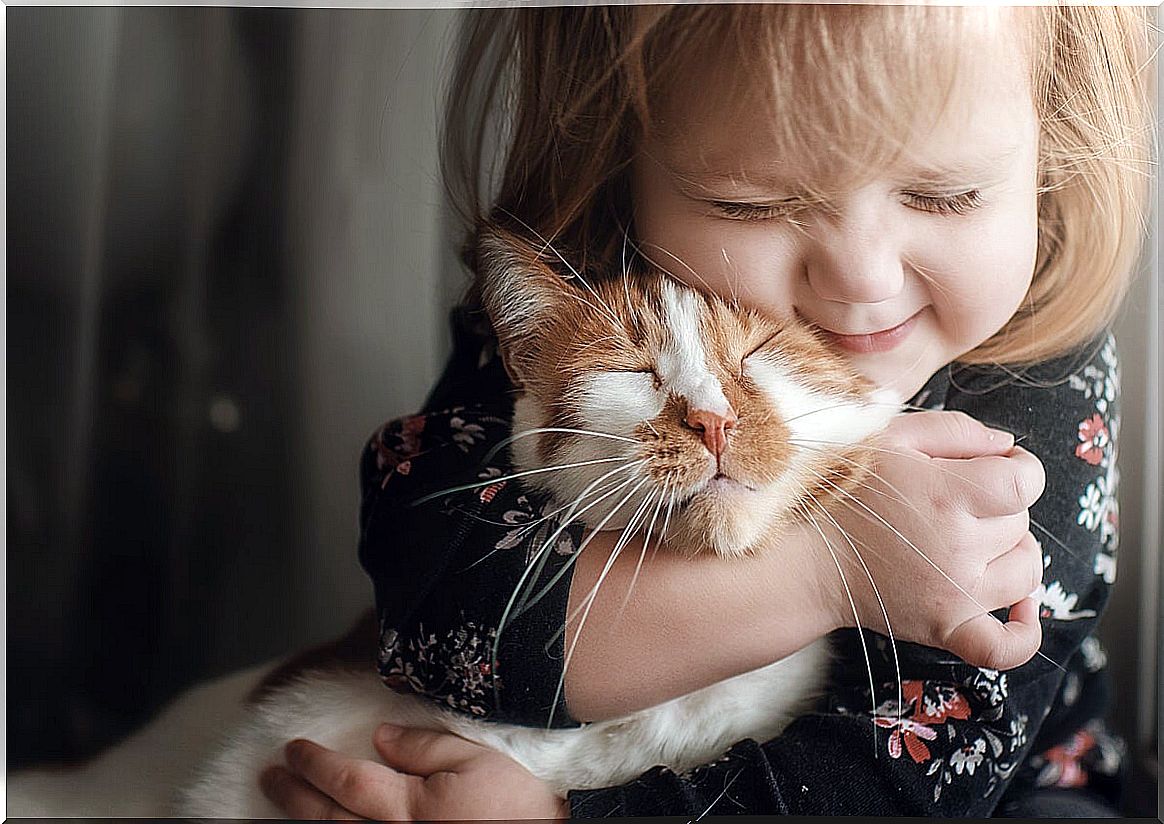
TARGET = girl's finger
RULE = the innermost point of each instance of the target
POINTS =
(298, 799)
(984, 642)
(422, 752)
(364, 787)
(1015, 574)
(996, 485)
(995, 537)
(949, 435)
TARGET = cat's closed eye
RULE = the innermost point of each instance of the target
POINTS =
(649, 370)
(761, 345)
(755, 350)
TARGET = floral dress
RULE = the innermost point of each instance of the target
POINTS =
(453, 552)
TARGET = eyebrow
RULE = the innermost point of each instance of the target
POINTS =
(985, 166)
(981, 169)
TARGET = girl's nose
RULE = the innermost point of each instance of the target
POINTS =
(855, 259)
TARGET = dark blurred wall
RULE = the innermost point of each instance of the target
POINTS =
(229, 260)
(151, 360)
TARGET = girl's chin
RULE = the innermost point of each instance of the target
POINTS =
(903, 374)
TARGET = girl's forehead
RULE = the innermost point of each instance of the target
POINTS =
(857, 101)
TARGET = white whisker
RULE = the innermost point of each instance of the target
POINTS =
(625, 536)
(945, 470)
(884, 613)
(547, 245)
(589, 602)
(926, 558)
(853, 606)
(571, 516)
(543, 553)
(707, 286)
(562, 429)
(1051, 535)
(841, 405)
(530, 526)
(716, 800)
(900, 497)
(539, 470)
(642, 555)
(596, 341)
(905, 372)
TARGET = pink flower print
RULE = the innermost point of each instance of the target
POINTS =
(929, 708)
(909, 733)
(1094, 438)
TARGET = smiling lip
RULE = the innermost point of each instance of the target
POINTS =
(881, 341)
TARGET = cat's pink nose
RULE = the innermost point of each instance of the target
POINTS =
(713, 426)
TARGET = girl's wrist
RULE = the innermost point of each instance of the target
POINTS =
(823, 595)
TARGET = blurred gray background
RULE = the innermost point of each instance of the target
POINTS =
(229, 260)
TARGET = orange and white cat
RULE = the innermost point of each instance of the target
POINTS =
(706, 404)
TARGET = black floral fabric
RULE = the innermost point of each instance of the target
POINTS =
(471, 573)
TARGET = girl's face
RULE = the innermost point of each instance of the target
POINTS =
(912, 266)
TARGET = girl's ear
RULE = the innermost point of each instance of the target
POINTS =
(519, 293)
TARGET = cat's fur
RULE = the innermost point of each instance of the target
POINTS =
(631, 357)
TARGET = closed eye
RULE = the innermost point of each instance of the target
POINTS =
(754, 350)
(757, 211)
(958, 203)
(650, 370)
(761, 345)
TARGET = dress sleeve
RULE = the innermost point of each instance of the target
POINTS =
(961, 737)
(447, 537)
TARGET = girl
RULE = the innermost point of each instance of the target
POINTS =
(953, 196)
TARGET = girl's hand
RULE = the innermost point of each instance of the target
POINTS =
(427, 775)
(959, 493)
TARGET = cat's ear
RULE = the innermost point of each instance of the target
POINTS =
(520, 293)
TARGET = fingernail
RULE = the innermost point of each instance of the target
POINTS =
(387, 732)
(292, 749)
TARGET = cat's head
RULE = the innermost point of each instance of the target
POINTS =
(664, 405)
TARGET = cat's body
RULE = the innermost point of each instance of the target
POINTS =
(340, 710)
(722, 419)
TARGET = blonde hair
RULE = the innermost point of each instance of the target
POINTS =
(571, 91)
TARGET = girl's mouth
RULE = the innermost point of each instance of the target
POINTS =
(881, 341)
